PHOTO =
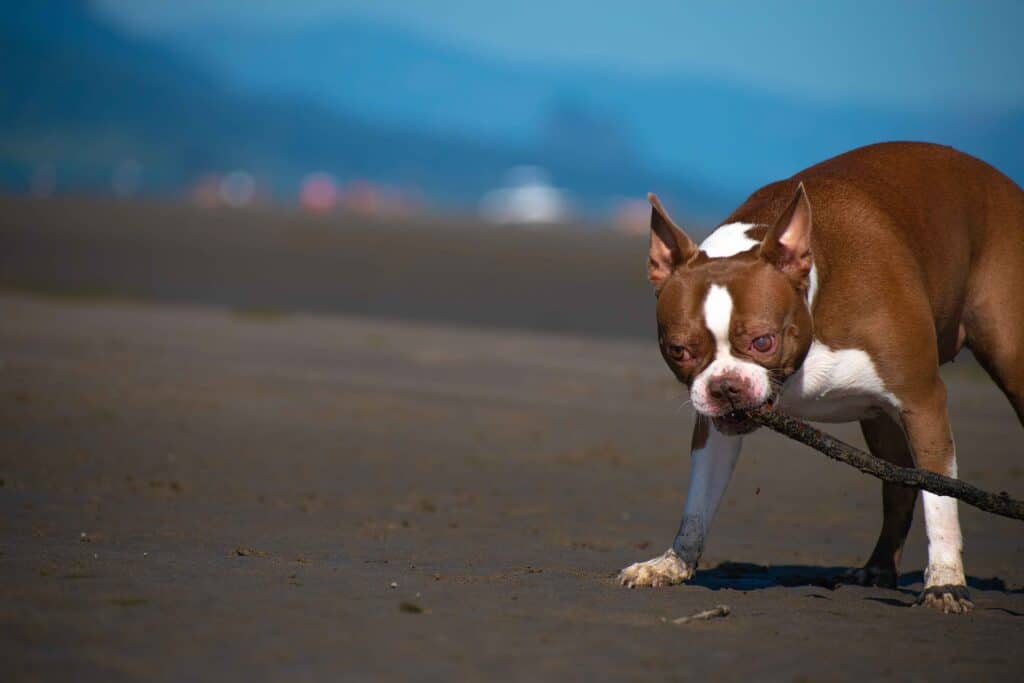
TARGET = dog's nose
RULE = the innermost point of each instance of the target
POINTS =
(726, 388)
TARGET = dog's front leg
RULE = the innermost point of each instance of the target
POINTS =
(713, 457)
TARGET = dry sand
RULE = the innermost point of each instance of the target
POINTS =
(197, 484)
(194, 494)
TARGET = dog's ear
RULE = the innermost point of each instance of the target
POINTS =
(787, 246)
(670, 247)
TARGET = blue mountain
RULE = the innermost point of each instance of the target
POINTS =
(365, 101)
(725, 135)
(80, 95)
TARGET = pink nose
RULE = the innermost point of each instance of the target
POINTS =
(726, 388)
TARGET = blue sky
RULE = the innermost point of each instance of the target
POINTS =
(912, 54)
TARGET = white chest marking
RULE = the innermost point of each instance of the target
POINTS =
(836, 386)
(728, 240)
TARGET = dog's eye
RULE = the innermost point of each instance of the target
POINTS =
(764, 343)
(678, 352)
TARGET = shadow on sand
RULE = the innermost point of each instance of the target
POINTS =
(746, 576)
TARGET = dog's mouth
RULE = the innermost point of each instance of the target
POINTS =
(735, 422)
(739, 421)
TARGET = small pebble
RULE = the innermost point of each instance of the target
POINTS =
(411, 608)
(394, 584)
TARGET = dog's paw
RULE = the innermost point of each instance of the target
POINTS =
(666, 570)
(947, 599)
(870, 575)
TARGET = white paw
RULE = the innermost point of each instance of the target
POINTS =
(947, 599)
(666, 570)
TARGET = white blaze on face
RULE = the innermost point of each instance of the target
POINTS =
(718, 308)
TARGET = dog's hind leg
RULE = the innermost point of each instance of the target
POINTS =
(996, 338)
(1006, 367)
(993, 316)
(886, 440)
(713, 458)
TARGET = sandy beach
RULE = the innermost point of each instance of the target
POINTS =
(227, 489)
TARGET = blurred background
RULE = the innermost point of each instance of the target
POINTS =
(326, 341)
(334, 155)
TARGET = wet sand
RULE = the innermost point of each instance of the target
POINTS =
(426, 268)
(193, 493)
(199, 481)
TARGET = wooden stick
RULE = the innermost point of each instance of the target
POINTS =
(997, 504)
(713, 613)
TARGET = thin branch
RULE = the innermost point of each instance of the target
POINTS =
(997, 504)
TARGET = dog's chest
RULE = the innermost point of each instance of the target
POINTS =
(835, 386)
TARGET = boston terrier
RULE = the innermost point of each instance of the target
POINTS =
(835, 295)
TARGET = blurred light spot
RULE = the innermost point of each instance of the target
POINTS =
(632, 216)
(318, 193)
(527, 198)
(237, 189)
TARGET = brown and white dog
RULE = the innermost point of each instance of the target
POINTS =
(838, 293)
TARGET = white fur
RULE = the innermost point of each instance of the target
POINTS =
(836, 386)
(718, 316)
(711, 469)
(812, 287)
(728, 240)
(945, 542)
(665, 570)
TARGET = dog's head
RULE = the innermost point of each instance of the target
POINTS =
(733, 328)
